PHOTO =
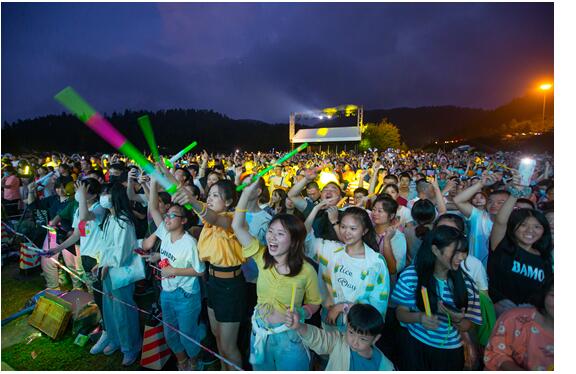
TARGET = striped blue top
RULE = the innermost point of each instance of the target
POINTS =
(445, 337)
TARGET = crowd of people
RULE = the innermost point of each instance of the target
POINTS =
(405, 260)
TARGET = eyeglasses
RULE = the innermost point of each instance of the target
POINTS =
(171, 215)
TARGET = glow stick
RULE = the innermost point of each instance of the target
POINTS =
(49, 228)
(279, 162)
(502, 166)
(293, 297)
(44, 178)
(81, 109)
(154, 267)
(146, 127)
(35, 249)
(424, 291)
(179, 155)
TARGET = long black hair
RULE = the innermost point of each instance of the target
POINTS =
(441, 237)
(361, 215)
(544, 244)
(120, 203)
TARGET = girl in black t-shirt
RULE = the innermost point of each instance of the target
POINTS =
(521, 257)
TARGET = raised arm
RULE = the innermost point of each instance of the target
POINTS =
(374, 178)
(462, 200)
(313, 214)
(501, 219)
(294, 193)
(203, 165)
(153, 204)
(239, 224)
(440, 204)
(84, 213)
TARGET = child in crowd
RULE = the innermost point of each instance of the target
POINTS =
(353, 350)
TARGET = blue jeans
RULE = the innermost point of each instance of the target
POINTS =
(284, 352)
(122, 322)
(181, 310)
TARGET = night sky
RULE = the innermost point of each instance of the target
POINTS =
(263, 61)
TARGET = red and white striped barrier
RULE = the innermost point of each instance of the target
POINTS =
(155, 351)
(28, 257)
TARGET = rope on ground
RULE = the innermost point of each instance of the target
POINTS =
(86, 282)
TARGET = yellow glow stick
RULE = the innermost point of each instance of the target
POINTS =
(426, 301)
(293, 297)
(342, 202)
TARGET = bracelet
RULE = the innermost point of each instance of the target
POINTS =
(202, 213)
(241, 210)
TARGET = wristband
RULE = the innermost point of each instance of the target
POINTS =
(302, 313)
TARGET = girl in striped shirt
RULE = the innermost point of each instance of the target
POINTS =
(434, 342)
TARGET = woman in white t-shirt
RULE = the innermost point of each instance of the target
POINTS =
(180, 297)
(351, 271)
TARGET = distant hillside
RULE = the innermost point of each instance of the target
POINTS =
(175, 128)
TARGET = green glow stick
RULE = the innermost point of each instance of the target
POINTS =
(146, 128)
(179, 155)
(279, 162)
(73, 102)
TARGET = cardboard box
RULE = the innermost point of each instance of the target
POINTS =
(51, 315)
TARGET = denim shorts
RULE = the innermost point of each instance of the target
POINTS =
(227, 297)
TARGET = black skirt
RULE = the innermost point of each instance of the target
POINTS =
(417, 356)
(227, 296)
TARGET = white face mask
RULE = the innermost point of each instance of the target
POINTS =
(106, 201)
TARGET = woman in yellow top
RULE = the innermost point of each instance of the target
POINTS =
(285, 281)
(217, 245)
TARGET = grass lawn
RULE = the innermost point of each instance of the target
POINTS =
(25, 348)
(42, 353)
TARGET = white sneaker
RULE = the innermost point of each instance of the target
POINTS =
(100, 344)
(130, 358)
(110, 349)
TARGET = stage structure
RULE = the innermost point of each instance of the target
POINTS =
(328, 138)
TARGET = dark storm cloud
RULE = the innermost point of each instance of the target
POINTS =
(263, 61)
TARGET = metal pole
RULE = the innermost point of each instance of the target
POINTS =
(544, 107)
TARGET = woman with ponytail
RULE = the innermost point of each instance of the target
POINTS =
(423, 214)
(433, 342)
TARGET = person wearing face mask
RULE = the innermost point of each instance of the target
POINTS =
(117, 270)
(52, 205)
(351, 270)
(434, 342)
(282, 272)
(330, 195)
